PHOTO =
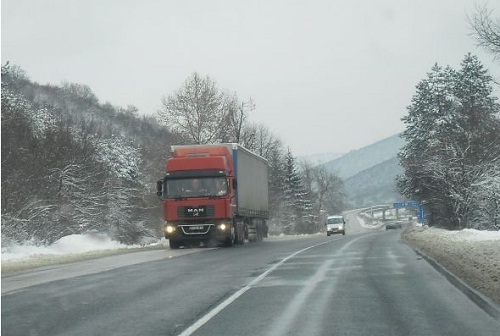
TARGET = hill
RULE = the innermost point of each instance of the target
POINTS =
(364, 158)
(321, 158)
(369, 173)
(89, 167)
(375, 185)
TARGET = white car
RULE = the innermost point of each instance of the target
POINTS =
(335, 224)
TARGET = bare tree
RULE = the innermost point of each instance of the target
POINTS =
(263, 141)
(486, 30)
(329, 191)
(326, 189)
(197, 110)
(235, 122)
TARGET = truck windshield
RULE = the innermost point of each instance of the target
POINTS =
(196, 187)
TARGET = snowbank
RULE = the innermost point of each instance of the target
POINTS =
(470, 235)
(471, 255)
(72, 244)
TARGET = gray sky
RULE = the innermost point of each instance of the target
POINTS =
(326, 76)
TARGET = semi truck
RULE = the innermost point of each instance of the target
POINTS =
(214, 195)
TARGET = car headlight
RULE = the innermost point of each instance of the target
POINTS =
(340, 227)
(169, 228)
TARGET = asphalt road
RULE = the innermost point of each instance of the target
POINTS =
(363, 283)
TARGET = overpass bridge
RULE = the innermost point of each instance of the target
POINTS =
(392, 210)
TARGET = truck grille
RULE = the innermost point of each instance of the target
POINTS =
(195, 211)
(195, 229)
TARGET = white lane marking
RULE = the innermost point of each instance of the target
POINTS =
(211, 314)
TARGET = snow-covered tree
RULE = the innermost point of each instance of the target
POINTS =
(452, 128)
(64, 172)
(121, 158)
(297, 199)
(486, 202)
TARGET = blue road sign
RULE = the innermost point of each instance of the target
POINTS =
(399, 205)
(412, 204)
(421, 214)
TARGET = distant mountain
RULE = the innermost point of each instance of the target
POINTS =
(356, 161)
(369, 173)
(321, 158)
(375, 185)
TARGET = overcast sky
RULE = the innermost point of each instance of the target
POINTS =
(326, 76)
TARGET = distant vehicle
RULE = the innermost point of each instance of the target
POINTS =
(394, 225)
(335, 224)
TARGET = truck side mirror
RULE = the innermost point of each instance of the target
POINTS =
(159, 188)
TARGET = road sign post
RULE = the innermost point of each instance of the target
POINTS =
(421, 214)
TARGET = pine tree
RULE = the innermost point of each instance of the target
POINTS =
(476, 110)
(296, 198)
(452, 132)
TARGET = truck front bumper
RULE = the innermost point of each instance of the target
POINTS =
(199, 232)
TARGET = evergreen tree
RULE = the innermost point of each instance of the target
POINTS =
(296, 198)
(452, 131)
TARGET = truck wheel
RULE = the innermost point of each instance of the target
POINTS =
(229, 242)
(174, 244)
(260, 232)
(239, 234)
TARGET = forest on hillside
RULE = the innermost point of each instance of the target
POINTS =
(71, 164)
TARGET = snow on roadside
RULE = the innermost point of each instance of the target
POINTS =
(75, 248)
(72, 244)
(471, 255)
(470, 235)
(91, 242)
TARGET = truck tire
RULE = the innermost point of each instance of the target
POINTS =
(229, 242)
(174, 244)
(259, 234)
(266, 229)
(239, 234)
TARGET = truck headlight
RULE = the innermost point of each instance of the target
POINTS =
(169, 228)
(223, 227)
